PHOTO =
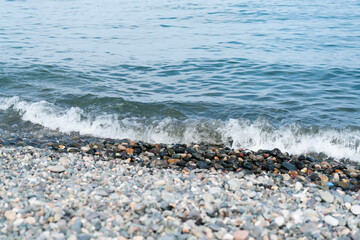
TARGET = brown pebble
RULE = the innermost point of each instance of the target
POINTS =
(172, 160)
(343, 184)
(121, 147)
(325, 165)
(129, 151)
(324, 178)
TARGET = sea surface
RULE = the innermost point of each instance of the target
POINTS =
(253, 74)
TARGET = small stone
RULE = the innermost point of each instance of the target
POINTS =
(76, 226)
(345, 231)
(241, 235)
(10, 215)
(208, 197)
(160, 182)
(248, 165)
(300, 165)
(57, 217)
(57, 168)
(138, 238)
(331, 220)
(324, 178)
(336, 177)
(347, 205)
(92, 215)
(129, 151)
(308, 227)
(280, 221)
(185, 228)
(85, 149)
(286, 177)
(314, 177)
(327, 196)
(355, 209)
(298, 186)
(18, 221)
(234, 184)
(72, 237)
(173, 160)
(100, 192)
(289, 166)
(348, 198)
(215, 190)
(343, 185)
(83, 237)
(30, 220)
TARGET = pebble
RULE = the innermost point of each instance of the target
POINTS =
(241, 235)
(331, 220)
(10, 215)
(355, 209)
(348, 198)
(215, 190)
(138, 238)
(110, 192)
(57, 168)
(235, 184)
(160, 182)
(327, 196)
(289, 166)
(298, 186)
(280, 221)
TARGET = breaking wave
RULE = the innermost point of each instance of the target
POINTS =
(259, 134)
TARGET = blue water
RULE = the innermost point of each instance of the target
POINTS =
(256, 74)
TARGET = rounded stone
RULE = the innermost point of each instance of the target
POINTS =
(331, 220)
(327, 196)
(10, 215)
(234, 184)
(355, 209)
(280, 221)
(160, 182)
(298, 186)
(241, 235)
(57, 168)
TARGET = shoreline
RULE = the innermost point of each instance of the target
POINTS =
(312, 168)
(91, 188)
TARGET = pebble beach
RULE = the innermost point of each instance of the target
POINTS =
(147, 120)
(89, 188)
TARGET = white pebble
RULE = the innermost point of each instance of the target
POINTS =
(298, 186)
(280, 221)
(355, 209)
(331, 220)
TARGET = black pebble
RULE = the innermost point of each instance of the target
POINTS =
(314, 177)
(289, 166)
(299, 165)
(248, 165)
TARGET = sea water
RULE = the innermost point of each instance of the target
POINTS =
(253, 74)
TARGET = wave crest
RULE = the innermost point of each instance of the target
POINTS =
(259, 134)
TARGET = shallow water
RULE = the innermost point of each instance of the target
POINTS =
(253, 74)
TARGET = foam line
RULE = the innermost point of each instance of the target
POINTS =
(259, 134)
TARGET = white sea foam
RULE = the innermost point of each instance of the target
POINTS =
(260, 134)
(6, 103)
